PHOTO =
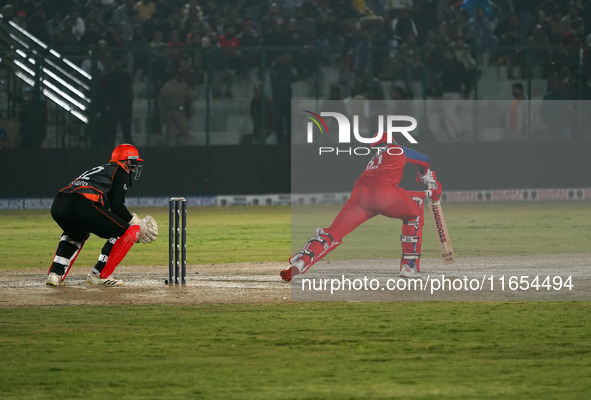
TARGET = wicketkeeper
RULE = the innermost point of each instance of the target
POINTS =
(95, 203)
(376, 192)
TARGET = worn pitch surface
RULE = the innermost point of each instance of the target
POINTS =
(260, 283)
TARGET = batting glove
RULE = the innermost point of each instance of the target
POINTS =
(427, 178)
(434, 191)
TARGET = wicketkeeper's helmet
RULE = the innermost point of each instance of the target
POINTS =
(128, 152)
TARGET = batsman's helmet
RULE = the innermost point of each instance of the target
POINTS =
(128, 152)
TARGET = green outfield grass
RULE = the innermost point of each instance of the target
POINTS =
(476, 229)
(236, 234)
(255, 234)
(299, 351)
(388, 350)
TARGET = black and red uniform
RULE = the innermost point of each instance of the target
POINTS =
(94, 203)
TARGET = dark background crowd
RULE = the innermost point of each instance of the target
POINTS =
(427, 47)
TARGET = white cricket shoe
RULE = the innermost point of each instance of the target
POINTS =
(54, 279)
(96, 280)
(408, 272)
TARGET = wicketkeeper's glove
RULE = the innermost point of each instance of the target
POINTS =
(148, 228)
(151, 232)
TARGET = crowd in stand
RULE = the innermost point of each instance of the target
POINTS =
(410, 34)
(425, 47)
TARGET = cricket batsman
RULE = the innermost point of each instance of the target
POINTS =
(95, 203)
(377, 192)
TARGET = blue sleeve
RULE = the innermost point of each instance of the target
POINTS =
(417, 158)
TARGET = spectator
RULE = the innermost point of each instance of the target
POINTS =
(411, 61)
(473, 7)
(166, 7)
(216, 22)
(539, 41)
(431, 55)
(159, 62)
(453, 84)
(403, 26)
(282, 77)
(33, 119)
(262, 115)
(93, 34)
(55, 27)
(118, 86)
(192, 18)
(37, 26)
(275, 38)
(515, 120)
(104, 55)
(173, 23)
(87, 64)
(122, 17)
(249, 39)
(370, 85)
(509, 55)
(9, 13)
(69, 37)
(192, 11)
(173, 96)
(456, 26)
(304, 25)
(78, 25)
(21, 19)
(557, 111)
(572, 18)
(175, 48)
(480, 28)
(215, 65)
(271, 19)
(232, 17)
(145, 9)
(95, 10)
(139, 46)
(229, 40)
(525, 10)
(5, 142)
(346, 82)
(464, 55)
(4, 139)
(557, 27)
(191, 76)
(397, 5)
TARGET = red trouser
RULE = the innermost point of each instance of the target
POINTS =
(367, 201)
(378, 199)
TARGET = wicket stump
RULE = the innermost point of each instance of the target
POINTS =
(177, 241)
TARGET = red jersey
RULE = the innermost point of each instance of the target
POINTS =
(388, 164)
(225, 41)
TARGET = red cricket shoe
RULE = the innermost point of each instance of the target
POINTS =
(289, 273)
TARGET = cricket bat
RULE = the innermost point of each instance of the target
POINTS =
(447, 251)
